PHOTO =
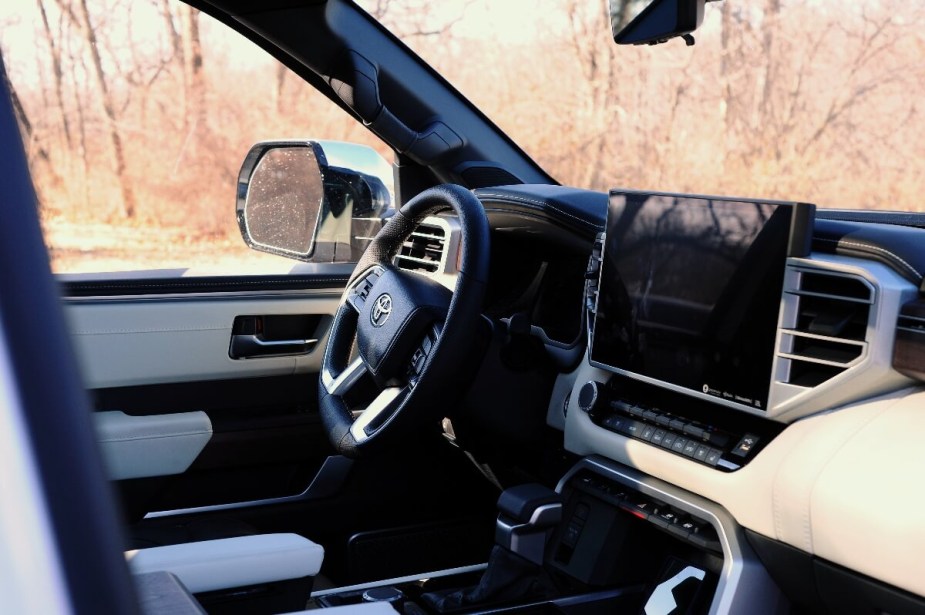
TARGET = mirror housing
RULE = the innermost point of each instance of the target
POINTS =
(658, 22)
(313, 201)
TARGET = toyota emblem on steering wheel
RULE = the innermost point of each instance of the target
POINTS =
(381, 310)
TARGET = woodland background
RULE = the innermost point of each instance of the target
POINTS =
(137, 113)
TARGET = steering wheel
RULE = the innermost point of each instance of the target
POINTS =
(411, 331)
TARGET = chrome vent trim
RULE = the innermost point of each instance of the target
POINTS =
(829, 332)
(823, 365)
(424, 250)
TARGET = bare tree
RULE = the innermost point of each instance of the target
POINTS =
(57, 73)
(195, 79)
(81, 19)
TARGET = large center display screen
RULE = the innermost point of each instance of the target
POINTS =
(690, 291)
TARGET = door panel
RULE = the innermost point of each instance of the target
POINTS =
(147, 358)
(151, 341)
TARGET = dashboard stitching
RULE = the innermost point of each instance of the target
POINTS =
(864, 246)
(541, 204)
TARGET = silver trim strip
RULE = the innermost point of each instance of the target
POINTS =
(448, 572)
(744, 585)
(344, 380)
(382, 403)
(328, 481)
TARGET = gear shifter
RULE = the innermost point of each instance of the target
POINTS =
(527, 515)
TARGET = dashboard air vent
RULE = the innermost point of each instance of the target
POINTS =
(592, 275)
(829, 328)
(423, 250)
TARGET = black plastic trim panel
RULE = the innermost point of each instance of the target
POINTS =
(899, 247)
(893, 238)
(815, 585)
(582, 210)
(196, 285)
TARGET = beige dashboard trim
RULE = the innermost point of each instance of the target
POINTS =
(816, 486)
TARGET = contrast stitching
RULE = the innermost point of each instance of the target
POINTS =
(130, 284)
(163, 436)
(541, 204)
(159, 330)
(864, 246)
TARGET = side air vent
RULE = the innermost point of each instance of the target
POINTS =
(592, 276)
(423, 250)
(828, 328)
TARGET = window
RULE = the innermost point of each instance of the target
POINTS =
(818, 101)
(136, 118)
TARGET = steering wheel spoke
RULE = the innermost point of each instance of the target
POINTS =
(378, 412)
(344, 381)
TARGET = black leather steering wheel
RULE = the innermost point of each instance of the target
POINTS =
(410, 330)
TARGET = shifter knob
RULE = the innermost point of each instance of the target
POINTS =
(589, 396)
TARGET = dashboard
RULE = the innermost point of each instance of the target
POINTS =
(840, 432)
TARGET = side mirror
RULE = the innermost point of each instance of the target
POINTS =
(657, 22)
(314, 201)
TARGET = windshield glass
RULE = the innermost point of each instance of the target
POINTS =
(816, 100)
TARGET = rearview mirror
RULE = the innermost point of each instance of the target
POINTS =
(657, 22)
(315, 201)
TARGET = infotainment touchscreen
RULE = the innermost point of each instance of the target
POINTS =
(690, 291)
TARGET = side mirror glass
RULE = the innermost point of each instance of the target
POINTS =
(657, 22)
(314, 201)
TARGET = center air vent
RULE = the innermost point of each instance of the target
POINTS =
(827, 332)
(423, 250)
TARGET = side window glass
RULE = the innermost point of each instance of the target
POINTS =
(137, 117)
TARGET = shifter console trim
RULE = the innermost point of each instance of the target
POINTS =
(744, 585)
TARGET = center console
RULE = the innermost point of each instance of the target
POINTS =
(608, 539)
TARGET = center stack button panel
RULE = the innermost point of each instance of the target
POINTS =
(705, 433)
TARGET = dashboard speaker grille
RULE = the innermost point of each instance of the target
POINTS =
(828, 331)
(423, 250)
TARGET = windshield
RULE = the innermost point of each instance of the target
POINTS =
(816, 100)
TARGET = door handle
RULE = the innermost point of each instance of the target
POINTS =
(253, 346)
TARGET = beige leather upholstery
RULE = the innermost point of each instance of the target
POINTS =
(845, 485)
(232, 562)
(155, 445)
